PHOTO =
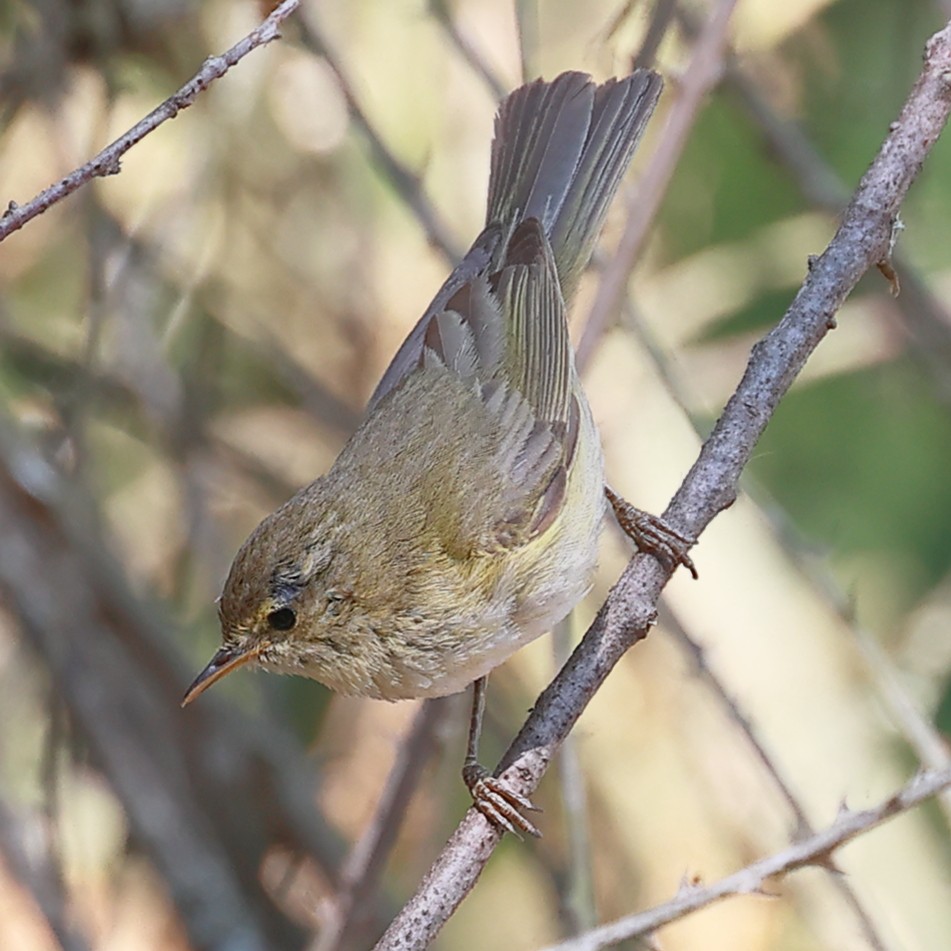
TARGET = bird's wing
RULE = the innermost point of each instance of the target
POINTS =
(477, 261)
(506, 336)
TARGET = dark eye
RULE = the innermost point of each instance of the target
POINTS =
(283, 619)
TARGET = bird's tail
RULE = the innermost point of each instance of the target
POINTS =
(559, 153)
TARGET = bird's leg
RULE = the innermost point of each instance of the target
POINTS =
(497, 803)
(651, 534)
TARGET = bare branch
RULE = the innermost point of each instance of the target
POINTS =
(470, 55)
(656, 31)
(406, 182)
(743, 723)
(862, 240)
(108, 161)
(814, 850)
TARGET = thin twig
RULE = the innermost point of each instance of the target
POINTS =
(701, 74)
(471, 56)
(108, 161)
(862, 240)
(814, 850)
(406, 182)
(742, 722)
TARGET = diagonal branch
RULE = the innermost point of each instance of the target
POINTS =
(816, 849)
(703, 73)
(406, 183)
(863, 240)
(361, 871)
(738, 717)
(107, 162)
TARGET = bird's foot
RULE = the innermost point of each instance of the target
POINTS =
(652, 534)
(500, 805)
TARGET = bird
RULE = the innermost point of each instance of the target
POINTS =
(461, 519)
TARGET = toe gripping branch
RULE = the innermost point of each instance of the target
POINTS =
(652, 534)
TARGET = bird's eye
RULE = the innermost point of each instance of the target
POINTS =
(283, 619)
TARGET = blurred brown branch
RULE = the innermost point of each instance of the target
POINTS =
(404, 180)
(731, 707)
(700, 76)
(206, 793)
(470, 55)
(863, 239)
(816, 849)
(25, 845)
(360, 873)
(108, 161)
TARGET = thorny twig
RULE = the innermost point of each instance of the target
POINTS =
(108, 161)
(816, 849)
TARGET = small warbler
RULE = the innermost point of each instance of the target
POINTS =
(461, 520)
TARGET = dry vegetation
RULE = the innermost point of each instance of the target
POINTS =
(185, 343)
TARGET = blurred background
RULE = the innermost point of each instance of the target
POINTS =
(186, 343)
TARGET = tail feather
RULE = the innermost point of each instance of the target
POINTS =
(540, 133)
(560, 151)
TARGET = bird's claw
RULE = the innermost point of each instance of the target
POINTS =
(652, 534)
(499, 804)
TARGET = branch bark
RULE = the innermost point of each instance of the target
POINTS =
(863, 240)
(108, 161)
(816, 849)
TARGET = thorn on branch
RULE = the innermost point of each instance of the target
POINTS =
(891, 275)
(885, 265)
(688, 883)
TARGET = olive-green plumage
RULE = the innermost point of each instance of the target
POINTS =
(461, 519)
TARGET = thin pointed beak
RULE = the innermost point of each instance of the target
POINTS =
(224, 661)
